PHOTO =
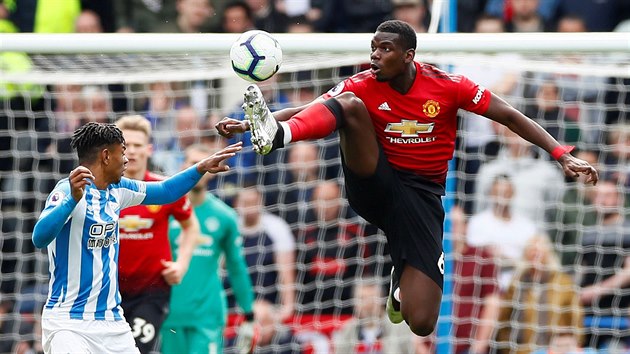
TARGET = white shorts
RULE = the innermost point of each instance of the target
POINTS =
(87, 336)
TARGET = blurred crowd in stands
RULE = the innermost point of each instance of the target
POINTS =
(192, 16)
(539, 263)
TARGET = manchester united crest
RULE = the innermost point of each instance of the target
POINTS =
(431, 108)
(154, 208)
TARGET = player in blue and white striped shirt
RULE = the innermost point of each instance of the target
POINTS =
(79, 225)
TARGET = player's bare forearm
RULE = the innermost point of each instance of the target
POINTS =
(502, 112)
(190, 232)
(286, 273)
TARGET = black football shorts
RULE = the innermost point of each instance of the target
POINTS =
(408, 210)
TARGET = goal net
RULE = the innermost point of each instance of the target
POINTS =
(557, 241)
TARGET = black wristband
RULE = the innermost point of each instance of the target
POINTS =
(249, 317)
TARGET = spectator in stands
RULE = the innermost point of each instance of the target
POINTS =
(40, 16)
(193, 16)
(299, 24)
(186, 133)
(361, 16)
(576, 93)
(411, 11)
(566, 342)
(146, 272)
(478, 134)
(143, 16)
(541, 301)
(273, 336)
(474, 9)
(526, 18)
(574, 214)
(474, 286)
(605, 269)
(328, 256)
(504, 9)
(197, 318)
(8, 325)
(290, 191)
(237, 17)
(88, 22)
(618, 159)
(571, 24)
(267, 17)
(599, 16)
(98, 105)
(160, 106)
(491, 227)
(269, 248)
(369, 330)
(548, 111)
(68, 104)
(538, 184)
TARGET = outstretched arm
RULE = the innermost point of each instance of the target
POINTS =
(175, 187)
(502, 112)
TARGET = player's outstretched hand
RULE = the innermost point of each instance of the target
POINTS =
(573, 167)
(227, 127)
(79, 178)
(213, 163)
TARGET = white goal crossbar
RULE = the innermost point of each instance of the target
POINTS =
(598, 42)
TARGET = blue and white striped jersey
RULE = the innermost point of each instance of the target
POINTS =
(84, 254)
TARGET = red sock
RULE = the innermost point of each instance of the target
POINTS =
(315, 122)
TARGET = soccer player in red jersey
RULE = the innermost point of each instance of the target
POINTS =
(397, 123)
(146, 269)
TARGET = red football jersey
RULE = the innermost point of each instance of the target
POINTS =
(417, 129)
(144, 242)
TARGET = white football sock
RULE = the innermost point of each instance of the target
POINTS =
(287, 133)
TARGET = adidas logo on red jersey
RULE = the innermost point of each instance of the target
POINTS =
(384, 107)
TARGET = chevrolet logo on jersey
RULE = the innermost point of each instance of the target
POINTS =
(131, 223)
(409, 128)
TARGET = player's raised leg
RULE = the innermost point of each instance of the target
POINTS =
(345, 113)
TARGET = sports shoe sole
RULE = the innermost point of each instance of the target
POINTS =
(261, 122)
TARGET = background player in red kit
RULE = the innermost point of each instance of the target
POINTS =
(397, 124)
(146, 270)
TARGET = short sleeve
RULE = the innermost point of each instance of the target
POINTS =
(131, 192)
(475, 236)
(473, 97)
(181, 209)
(280, 232)
(347, 85)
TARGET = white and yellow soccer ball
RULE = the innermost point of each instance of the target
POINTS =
(256, 56)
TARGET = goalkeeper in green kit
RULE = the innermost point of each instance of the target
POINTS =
(198, 305)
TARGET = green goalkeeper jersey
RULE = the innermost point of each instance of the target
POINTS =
(200, 298)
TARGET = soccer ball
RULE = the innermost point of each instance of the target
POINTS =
(256, 56)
